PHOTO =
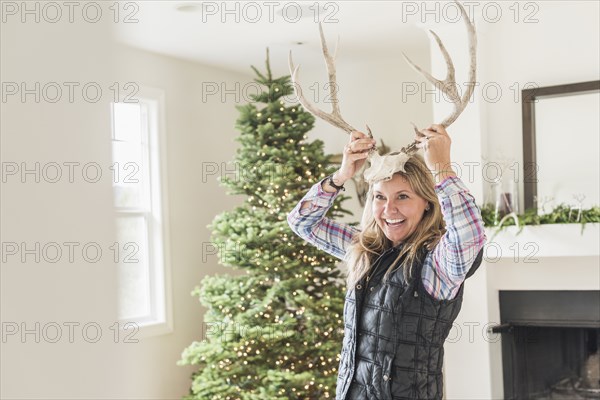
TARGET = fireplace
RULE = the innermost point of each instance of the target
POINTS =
(550, 344)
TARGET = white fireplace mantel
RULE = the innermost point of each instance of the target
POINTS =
(536, 241)
(542, 257)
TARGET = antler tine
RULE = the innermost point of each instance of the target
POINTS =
(448, 86)
(330, 64)
(335, 117)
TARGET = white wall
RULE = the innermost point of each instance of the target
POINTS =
(561, 47)
(47, 293)
(81, 292)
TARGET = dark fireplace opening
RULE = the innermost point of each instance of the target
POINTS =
(554, 363)
(550, 344)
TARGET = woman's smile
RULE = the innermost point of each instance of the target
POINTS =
(394, 222)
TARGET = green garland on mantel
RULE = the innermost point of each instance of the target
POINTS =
(560, 215)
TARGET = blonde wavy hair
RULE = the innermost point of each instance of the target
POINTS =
(371, 241)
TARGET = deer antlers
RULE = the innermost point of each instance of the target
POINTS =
(334, 118)
(448, 86)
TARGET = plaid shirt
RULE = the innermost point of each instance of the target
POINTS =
(445, 267)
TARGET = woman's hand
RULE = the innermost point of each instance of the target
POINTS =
(436, 143)
(355, 155)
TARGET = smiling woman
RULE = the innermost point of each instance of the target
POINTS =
(407, 263)
(421, 235)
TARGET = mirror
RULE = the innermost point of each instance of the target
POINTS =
(561, 138)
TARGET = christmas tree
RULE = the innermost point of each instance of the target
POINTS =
(276, 331)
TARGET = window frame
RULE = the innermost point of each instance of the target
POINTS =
(159, 321)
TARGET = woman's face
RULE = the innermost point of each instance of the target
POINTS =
(397, 209)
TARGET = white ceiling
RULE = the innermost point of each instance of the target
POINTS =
(207, 34)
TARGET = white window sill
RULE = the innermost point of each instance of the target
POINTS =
(132, 331)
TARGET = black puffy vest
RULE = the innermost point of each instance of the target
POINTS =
(394, 334)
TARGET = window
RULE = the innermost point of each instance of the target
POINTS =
(139, 191)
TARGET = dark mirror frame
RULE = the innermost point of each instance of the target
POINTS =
(529, 97)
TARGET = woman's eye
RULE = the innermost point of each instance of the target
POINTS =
(403, 196)
(379, 197)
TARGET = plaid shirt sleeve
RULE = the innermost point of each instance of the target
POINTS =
(311, 224)
(446, 267)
